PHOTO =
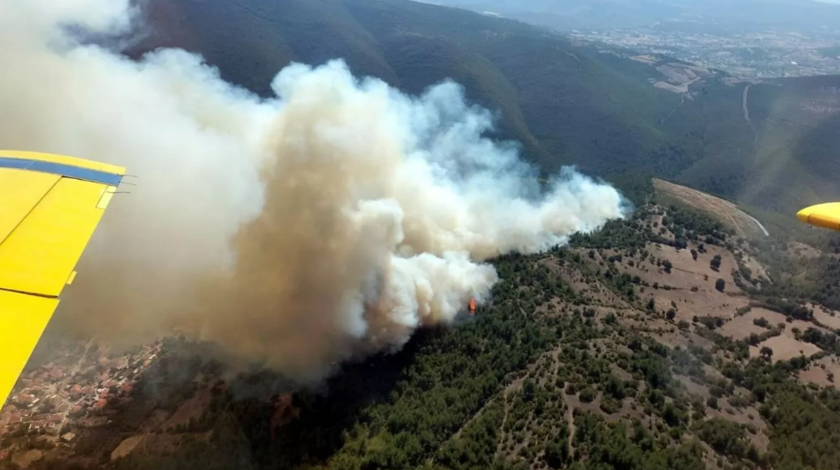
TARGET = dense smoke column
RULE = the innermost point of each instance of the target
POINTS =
(328, 223)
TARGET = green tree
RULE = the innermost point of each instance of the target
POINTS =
(712, 402)
(766, 352)
(557, 453)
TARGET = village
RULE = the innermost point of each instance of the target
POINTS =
(49, 404)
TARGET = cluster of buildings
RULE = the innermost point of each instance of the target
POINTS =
(769, 54)
(49, 402)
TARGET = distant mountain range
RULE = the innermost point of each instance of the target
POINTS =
(775, 148)
(734, 15)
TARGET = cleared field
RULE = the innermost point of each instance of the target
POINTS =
(125, 447)
(741, 327)
(829, 318)
(824, 372)
(726, 211)
(804, 251)
(785, 348)
(690, 286)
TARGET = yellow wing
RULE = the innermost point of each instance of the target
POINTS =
(49, 207)
(822, 215)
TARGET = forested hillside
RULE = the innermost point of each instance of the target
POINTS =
(564, 103)
(651, 344)
(770, 145)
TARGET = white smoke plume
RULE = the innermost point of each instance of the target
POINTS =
(330, 222)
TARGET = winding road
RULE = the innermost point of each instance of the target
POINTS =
(744, 102)
(766, 233)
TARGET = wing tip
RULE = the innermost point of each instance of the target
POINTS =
(826, 215)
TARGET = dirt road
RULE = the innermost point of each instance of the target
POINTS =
(744, 106)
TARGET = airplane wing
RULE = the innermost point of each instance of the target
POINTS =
(50, 206)
(821, 215)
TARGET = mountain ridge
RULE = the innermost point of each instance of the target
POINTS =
(563, 102)
(731, 15)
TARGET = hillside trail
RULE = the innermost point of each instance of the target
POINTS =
(744, 106)
(677, 107)
(746, 109)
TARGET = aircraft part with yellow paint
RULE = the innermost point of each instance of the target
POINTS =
(50, 206)
(821, 215)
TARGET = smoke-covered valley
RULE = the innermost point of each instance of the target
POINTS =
(326, 223)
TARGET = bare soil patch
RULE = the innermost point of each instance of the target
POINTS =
(803, 250)
(785, 348)
(126, 446)
(690, 286)
(824, 372)
(825, 316)
(758, 271)
(741, 327)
